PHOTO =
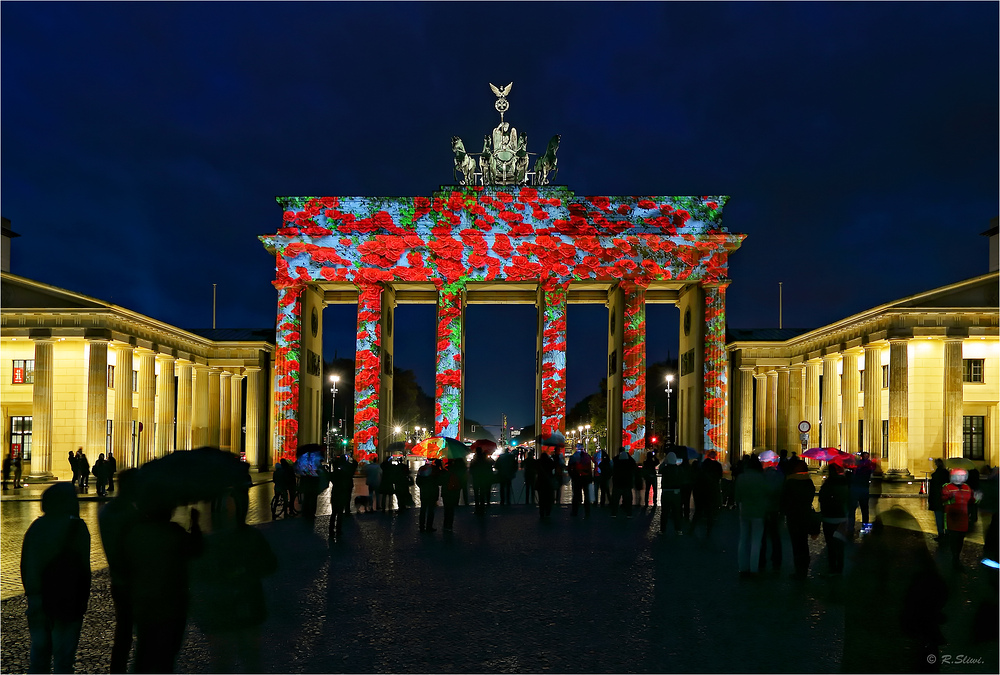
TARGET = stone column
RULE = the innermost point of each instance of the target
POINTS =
(553, 361)
(716, 368)
(147, 402)
(781, 402)
(225, 411)
(254, 425)
(236, 414)
(898, 408)
(165, 406)
(185, 382)
(288, 356)
(953, 398)
(873, 400)
(97, 398)
(41, 409)
(368, 378)
(831, 417)
(796, 410)
(746, 410)
(199, 408)
(633, 368)
(849, 400)
(121, 426)
(213, 407)
(760, 412)
(771, 427)
(812, 402)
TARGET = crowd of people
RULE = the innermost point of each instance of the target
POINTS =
(162, 575)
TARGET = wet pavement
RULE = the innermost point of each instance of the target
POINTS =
(510, 593)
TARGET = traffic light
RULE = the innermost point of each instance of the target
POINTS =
(653, 439)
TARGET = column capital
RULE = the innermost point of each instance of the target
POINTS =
(716, 283)
(854, 351)
(251, 369)
(747, 369)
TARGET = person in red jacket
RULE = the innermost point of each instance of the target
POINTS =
(955, 496)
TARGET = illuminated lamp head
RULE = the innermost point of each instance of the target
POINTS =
(959, 476)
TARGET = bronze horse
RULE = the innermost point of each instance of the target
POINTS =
(547, 162)
(463, 162)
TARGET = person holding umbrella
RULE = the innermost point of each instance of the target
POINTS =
(545, 484)
(341, 483)
(451, 488)
(956, 497)
(429, 484)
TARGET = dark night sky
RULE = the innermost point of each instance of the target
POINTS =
(143, 146)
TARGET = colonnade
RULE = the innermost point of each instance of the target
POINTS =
(203, 405)
(841, 390)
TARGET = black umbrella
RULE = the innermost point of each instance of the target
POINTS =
(189, 476)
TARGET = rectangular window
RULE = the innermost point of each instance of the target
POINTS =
(861, 434)
(24, 371)
(885, 377)
(973, 436)
(885, 439)
(861, 380)
(111, 377)
(972, 370)
(107, 440)
(135, 380)
(20, 437)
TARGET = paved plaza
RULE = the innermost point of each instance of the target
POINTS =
(510, 593)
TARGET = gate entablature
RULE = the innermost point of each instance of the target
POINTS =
(545, 235)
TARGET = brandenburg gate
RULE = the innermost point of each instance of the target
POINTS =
(502, 234)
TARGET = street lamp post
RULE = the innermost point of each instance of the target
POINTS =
(587, 441)
(670, 436)
(334, 379)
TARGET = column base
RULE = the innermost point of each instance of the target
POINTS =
(897, 475)
(40, 478)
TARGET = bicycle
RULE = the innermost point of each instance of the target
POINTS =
(281, 508)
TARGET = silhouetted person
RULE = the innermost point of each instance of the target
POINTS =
(894, 585)
(386, 486)
(860, 482)
(8, 465)
(772, 518)
(688, 471)
(506, 470)
(670, 484)
(55, 571)
(373, 481)
(229, 603)
(649, 466)
(623, 473)
(833, 500)
(83, 466)
(937, 481)
(451, 489)
(102, 474)
(529, 477)
(429, 478)
(17, 472)
(752, 497)
(114, 520)
(602, 471)
(706, 484)
(341, 483)
(797, 493)
(157, 552)
(545, 469)
(74, 466)
(112, 470)
(581, 475)
(481, 468)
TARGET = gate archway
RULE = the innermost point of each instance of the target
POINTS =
(540, 244)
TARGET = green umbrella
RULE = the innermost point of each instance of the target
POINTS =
(959, 463)
(440, 446)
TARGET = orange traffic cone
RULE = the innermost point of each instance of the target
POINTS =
(922, 490)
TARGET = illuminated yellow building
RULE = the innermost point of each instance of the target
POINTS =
(79, 372)
(906, 381)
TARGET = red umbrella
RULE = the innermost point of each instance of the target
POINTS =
(846, 460)
(488, 446)
(822, 454)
